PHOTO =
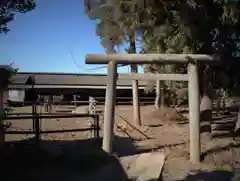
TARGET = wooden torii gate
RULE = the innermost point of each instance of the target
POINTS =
(193, 85)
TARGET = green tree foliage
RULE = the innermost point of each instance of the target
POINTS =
(121, 23)
(8, 8)
(173, 26)
(193, 26)
(202, 27)
(179, 26)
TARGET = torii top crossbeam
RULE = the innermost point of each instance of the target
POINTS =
(147, 58)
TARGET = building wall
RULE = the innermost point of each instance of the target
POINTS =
(82, 94)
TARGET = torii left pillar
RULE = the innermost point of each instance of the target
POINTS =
(5, 72)
(109, 110)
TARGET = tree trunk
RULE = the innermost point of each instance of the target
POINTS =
(136, 104)
(206, 104)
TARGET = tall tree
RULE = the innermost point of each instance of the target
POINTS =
(204, 27)
(8, 8)
(189, 26)
(122, 23)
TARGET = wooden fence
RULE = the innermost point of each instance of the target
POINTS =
(36, 117)
(95, 128)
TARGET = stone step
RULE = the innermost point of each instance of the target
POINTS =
(145, 166)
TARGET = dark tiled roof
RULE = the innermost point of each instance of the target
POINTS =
(6, 67)
(67, 79)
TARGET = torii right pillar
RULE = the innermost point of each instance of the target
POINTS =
(194, 111)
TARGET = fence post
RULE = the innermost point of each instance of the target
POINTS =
(194, 111)
(158, 94)
(2, 135)
(34, 112)
(37, 127)
(75, 99)
(45, 103)
(50, 104)
(96, 126)
(92, 110)
(162, 94)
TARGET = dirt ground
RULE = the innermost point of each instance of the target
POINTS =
(158, 133)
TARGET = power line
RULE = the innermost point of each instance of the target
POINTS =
(92, 69)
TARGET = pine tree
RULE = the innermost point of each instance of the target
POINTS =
(122, 23)
(189, 26)
(204, 27)
(9, 7)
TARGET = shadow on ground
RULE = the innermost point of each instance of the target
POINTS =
(224, 126)
(230, 147)
(65, 160)
(59, 160)
(217, 175)
(76, 160)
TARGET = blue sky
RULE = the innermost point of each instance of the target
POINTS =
(46, 39)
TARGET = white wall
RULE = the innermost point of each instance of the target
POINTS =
(16, 95)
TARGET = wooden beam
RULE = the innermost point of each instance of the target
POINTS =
(48, 87)
(152, 76)
(146, 58)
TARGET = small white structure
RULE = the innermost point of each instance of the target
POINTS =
(16, 95)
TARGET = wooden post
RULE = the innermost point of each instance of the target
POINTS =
(194, 112)
(109, 111)
(218, 102)
(237, 125)
(2, 135)
(162, 94)
(157, 99)
(75, 99)
(96, 126)
(135, 101)
(92, 110)
(50, 102)
(37, 127)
